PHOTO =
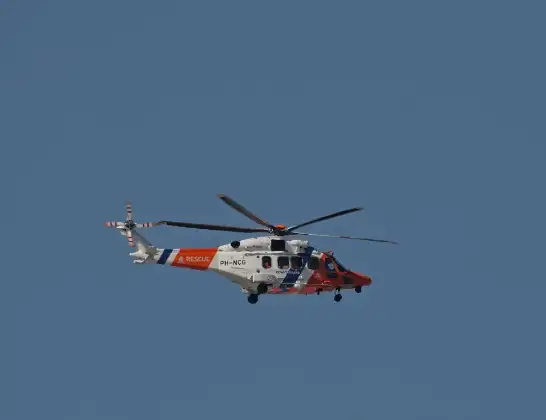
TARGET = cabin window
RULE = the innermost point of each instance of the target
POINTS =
(278, 245)
(313, 263)
(266, 262)
(283, 262)
(296, 262)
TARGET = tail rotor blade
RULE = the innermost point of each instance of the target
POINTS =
(113, 224)
(145, 225)
(126, 227)
(129, 210)
(130, 239)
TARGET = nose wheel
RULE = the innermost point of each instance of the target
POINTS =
(337, 295)
(252, 299)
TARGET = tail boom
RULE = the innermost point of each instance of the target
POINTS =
(200, 259)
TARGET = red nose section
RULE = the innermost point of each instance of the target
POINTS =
(361, 279)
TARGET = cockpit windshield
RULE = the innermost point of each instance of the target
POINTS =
(340, 266)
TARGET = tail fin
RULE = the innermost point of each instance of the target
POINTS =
(145, 250)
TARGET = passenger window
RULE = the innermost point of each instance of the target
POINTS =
(313, 263)
(296, 262)
(282, 262)
(266, 262)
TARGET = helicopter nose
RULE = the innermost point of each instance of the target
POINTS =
(362, 279)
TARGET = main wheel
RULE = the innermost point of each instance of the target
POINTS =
(252, 299)
(337, 298)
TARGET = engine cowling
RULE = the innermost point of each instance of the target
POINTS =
(251, 244)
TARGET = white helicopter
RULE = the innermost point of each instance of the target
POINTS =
(271, 264)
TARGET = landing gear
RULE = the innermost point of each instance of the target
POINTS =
(262, 288)
(337, 295)
(358, 289)
(252, 299)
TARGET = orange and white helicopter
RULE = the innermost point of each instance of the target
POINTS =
(272, 264)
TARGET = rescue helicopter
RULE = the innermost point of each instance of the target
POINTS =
(274, 263)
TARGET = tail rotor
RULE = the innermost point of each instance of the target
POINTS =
(129, 225)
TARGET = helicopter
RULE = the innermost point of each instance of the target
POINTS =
(274, 263)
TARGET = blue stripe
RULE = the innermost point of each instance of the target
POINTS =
(165, 256)
(293, 274)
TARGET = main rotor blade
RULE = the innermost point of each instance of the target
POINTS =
(320, 219)
(211, 227)
(344, 237)
(233, 204)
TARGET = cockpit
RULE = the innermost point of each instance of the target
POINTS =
(332, 263)
(333, 267)
(340, 267)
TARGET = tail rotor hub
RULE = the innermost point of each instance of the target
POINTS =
(129, 225)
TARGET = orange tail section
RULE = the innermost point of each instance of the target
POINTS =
(195, 258)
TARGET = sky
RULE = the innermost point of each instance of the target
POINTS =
(430, 115)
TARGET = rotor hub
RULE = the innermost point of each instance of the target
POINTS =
(278, 230)
(128, 226)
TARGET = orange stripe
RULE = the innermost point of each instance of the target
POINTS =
(195, 258)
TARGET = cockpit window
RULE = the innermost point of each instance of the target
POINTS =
(331, 272)
(329, 264)
(339, 266)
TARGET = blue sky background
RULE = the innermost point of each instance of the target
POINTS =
(428, 114)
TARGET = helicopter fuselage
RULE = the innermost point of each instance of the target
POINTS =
(268, 265)
(272, 264)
